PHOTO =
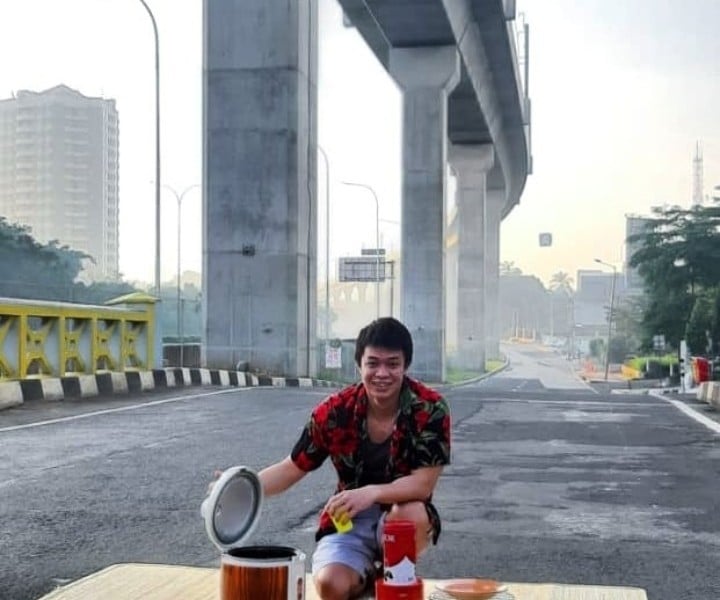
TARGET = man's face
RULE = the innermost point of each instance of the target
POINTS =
(382, 371)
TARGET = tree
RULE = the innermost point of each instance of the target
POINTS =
(49, 271)
(30, 269)
(597, 348)
(507, 267)
(620, 347)
(523, 305)
(679, 260)
(627, 321)
(700, 323)
(561, 281)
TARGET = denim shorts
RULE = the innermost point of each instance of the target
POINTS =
(358, 549)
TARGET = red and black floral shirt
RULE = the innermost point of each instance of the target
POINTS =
(337, 428)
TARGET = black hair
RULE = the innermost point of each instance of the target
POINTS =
(385, 332)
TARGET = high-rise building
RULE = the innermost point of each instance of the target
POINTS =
(59, 171)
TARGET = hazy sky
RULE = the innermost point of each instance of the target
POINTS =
(621, 92)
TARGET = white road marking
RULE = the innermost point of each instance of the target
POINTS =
(609, 404)
(517, 388)
(693, 414)
(130, 407)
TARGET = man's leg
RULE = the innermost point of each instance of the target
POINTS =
(343, 563)
(336, 581)
(417, 513)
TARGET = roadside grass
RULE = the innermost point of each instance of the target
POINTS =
(458, 375)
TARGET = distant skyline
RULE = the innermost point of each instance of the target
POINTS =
(621, 92)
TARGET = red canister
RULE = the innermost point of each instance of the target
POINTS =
(399, 552)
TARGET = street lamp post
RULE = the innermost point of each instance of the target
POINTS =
(327, 244)
(157, 148)
(610, 314)
(377, 241)
(179, 323)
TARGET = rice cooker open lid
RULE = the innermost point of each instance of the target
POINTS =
(232, 510)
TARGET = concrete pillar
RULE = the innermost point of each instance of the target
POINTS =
(259, 181)
(494, 203)
(471, 164)
(427, 76)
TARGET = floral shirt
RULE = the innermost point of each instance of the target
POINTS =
(337, 428)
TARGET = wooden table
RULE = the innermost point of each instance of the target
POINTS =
(171, 582)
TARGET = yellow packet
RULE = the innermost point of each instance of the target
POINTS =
(343, 524)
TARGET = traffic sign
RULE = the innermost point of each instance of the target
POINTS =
(545, 239)
(659, 342)
(361, 268)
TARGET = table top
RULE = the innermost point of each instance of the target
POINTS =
(135, 581)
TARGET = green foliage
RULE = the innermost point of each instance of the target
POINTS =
(524, 304)
(49, 271)
(30, 269)
(664, 314)
(679, 260)
(627, 320)
(700, 322)
(620, 347)
(101, 291)
(561, 281)
(640, 362)
(507, 267)
(715, 322)
(597, 348)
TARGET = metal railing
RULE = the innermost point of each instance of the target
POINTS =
(55, 339)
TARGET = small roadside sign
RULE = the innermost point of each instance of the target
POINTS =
(333, 357)
(659, 342)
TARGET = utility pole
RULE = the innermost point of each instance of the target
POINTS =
(610, 314)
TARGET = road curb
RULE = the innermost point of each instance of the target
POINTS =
(15, 393)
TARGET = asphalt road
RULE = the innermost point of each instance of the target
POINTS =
(550, 481)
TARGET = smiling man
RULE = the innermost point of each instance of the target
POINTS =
(388, 438)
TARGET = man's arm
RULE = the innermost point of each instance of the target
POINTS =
(279, 477)
(419, 485)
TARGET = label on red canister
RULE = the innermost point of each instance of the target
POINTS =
(399, 552)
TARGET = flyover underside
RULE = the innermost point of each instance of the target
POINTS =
(485, 110)
(454, 60)
(487, 106)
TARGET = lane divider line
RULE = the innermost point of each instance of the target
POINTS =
(129, 407)
(693, 414)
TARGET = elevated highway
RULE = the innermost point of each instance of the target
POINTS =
(465, 103)
(489, 104)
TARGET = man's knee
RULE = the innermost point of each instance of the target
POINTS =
(409, 511)
(337, 582)
(417, 513)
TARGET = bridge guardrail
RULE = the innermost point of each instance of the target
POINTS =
(55, 339)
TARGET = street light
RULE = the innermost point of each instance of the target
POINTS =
(610, 314)
(377, 242)
(157, 148)
(327, 244)
(179, 322)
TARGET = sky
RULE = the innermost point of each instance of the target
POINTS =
(621, 90)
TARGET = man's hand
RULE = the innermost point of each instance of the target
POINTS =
(351, 502)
